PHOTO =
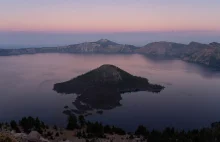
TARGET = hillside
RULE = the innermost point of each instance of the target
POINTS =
(100, 46)
(162, 49)
(205, 54)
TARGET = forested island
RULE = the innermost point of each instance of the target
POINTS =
(102, 87)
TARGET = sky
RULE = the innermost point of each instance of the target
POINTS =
(32, 19)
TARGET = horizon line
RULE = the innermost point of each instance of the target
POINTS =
(91, 41)
(107, 32)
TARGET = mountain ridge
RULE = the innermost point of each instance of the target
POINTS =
(205, 54)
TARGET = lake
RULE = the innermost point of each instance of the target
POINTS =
(190, 100)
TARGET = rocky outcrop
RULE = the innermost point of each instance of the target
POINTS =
(34, 136)
(7, 137)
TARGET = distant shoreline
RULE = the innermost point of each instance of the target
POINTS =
(194, 52)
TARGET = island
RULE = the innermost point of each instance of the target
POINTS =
(102, 87)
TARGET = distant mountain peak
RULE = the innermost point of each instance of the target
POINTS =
(215, 44)
(108, 66)
(195, 43)
(111, 72)
(103, 40)
(106, 42)
(108, 73)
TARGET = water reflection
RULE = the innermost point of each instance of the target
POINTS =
(171, 63)
(190, 100)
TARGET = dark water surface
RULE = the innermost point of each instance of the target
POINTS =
(191, 98)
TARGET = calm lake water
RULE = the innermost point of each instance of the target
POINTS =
(190, 100)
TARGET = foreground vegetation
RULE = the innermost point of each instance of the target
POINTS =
(88, 130)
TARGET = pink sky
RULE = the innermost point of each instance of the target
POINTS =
(99, 16)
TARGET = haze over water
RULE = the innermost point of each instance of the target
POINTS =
(190, 99)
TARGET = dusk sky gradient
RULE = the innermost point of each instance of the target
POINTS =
(27, 21)
(109, 15)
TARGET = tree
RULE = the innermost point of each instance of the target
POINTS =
(155, 136)
(31, 123)
(131, 137)
(43, 125)
(141, 130)
(57, 134)
(82, 120)
(79, 134)
(27, 123)
(14, 126)
(118, 131)
(83, 134)
(96, 129)
(108, 129)
(72, 123)
(55, 127)
(37, 123)
(169, 133)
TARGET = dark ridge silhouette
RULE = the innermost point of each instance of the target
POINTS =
(101, 87)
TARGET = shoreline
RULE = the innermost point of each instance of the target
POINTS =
(79, 130)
